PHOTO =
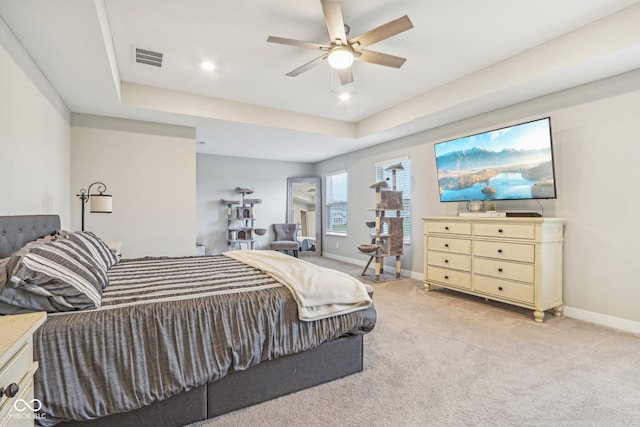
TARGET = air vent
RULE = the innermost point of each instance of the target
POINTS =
(149, 57)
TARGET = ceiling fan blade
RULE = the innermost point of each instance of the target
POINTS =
(309, 65)
(297, 43)
(380, 58)
(335, 23)
(382, 32)
(346, 75)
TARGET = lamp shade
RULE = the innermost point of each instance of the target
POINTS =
(340, 57)
(101, 203)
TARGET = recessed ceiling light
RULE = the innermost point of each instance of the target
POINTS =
(344, 96)
(207, 65)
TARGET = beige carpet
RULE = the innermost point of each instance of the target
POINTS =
(444, 359)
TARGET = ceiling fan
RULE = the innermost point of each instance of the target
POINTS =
(341, 52)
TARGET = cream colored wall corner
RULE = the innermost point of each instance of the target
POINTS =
(34, 144)
(150, 170)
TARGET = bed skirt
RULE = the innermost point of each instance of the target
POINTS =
(267, 380)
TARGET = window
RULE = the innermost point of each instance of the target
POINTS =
(403, 183)
(337, 203)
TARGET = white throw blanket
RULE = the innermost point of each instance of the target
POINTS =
(320, 292)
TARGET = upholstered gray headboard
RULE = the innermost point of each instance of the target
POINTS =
(17, 230)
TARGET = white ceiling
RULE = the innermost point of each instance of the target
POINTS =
(464, 58)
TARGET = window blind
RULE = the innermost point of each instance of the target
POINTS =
(336, 204)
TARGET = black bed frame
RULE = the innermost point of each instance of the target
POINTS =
(267, 380)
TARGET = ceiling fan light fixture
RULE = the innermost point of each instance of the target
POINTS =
(340, 57)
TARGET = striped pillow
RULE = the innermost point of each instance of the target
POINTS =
(96, 247)
(63, 271)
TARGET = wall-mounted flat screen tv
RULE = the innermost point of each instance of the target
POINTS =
(511, 163)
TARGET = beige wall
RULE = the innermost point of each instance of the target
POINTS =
(34, 147)
(151, 177)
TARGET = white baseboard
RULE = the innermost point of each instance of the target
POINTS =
(345, 259)
(602, 319)
(363, 261)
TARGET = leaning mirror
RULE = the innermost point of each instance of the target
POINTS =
(304, 208)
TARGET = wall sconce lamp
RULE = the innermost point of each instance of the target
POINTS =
(100, 203)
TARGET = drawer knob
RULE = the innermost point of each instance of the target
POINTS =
(446, 228)
(10, 391)
(500, 269)
(446, 261)
(499, 230)
(446, 277)
(499, 251)
(499, 288)
(446, 245)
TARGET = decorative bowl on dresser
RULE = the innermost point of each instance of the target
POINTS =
(517, 261)
(17, 367)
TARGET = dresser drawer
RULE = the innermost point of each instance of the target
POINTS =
(459, 279)
(504, 289)
(446, 244)
(449, 227)
(20, 415)
(504, 269)
(511, 231)
(15, 369)
(508, 251)
(447, 260)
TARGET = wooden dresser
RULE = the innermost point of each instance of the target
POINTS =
(17, 368)
(513, 260)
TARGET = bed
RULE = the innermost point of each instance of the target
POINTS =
(178, 340)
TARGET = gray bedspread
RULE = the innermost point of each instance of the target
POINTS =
(167, 326)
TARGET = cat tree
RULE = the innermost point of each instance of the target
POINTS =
(387, 236)
(241, 220)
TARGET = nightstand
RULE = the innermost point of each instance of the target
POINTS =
(17, 368)
(115, 248)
